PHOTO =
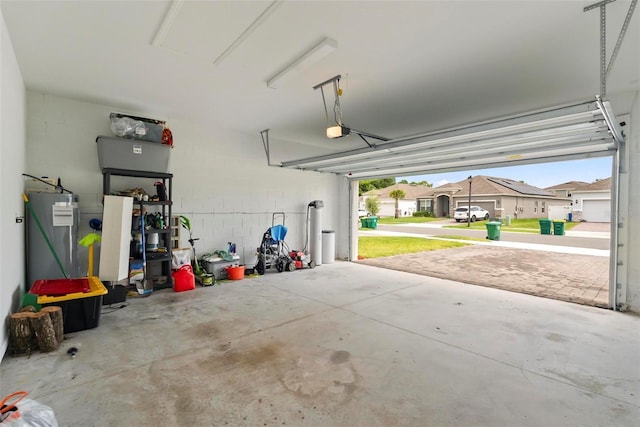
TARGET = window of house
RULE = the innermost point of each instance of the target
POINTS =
(543, 203)
(425, 205)
(535, 207)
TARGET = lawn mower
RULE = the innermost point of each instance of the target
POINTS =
(302, 259)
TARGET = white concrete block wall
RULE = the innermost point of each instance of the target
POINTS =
(12, 165)
(221, 178)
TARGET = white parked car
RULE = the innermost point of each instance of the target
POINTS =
(362, 213)
(477, 213)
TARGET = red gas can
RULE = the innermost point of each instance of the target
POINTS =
(183, 279)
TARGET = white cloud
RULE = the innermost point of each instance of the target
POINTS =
(441, 182)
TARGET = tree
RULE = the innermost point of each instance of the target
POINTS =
(370, 184)
(397, 195)
(373, 205)
(404, 181)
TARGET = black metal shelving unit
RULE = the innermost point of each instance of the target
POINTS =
(164, 208)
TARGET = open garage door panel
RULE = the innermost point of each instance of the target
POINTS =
(587, 129)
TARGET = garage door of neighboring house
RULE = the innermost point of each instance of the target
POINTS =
(596, 210)
(489, 206)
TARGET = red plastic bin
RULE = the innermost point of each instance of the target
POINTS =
(56, 287)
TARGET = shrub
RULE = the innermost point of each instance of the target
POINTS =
(423, 214)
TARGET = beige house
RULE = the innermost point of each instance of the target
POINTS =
(502, 197)
(407, 205)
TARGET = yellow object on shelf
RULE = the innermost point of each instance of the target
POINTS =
(96, 289)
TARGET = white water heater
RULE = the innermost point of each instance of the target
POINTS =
(315, 235)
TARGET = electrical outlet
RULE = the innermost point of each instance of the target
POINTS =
(19, 219)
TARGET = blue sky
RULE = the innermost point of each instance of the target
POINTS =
(540, 175)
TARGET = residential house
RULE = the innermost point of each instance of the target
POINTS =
(589, 201)
(592, 202)
(502, 197)
(406, 205)
(566, 188)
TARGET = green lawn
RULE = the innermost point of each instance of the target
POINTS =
(406, 220)
(375, 247)
(526, 225)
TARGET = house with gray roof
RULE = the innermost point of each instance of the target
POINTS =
(566, 188)
(502, 197)
(406, 205)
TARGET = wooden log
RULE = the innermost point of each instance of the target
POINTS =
(21, 336)
(45, 334)
(55, 313)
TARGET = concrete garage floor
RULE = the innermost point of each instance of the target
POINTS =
(342, 345)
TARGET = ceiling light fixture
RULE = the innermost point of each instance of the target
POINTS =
(167, 22)
(313, 55)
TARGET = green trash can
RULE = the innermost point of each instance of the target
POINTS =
(545, 226)
(493, 230)
(369, 222)
(558, 227)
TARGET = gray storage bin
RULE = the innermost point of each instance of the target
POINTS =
(130, 154)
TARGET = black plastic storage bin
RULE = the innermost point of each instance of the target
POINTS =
(80, 314)
(80, 309)
(116, 294)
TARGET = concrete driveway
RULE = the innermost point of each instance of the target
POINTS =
(545, 267)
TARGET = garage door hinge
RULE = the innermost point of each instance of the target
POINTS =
(621, 225)
(621, 245)
(619, 263)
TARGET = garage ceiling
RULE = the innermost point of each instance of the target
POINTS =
(409, 68)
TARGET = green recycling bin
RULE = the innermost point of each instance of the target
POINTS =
(369, 222)
(558, 227)
(545, 226)
(493, 230)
